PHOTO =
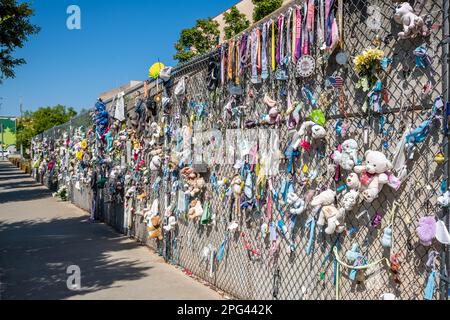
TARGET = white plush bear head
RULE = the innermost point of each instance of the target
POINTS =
(318, 132)
(376, 162)
(353, 181)
(325, 198)
(349, 146)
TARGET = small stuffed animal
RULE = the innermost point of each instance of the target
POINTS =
(353, 254)
(444, 200)
(386, 241)
(353, 181)
(329, 213)
(413, 25)
(273, 117)
(316, 131)
(195, 209)
(350, 199)
(426, 231)
(373, 174)
(155, 164)
(297, 204)
(194, 182)
(348, 158)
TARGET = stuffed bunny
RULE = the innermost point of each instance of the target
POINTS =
(413, 25)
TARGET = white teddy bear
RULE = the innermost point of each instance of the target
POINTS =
(348, 158)
(329, 213)
(413, 25)
(373, 174)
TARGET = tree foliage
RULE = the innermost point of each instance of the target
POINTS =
(44, 118)
(15, 28)
(197, 40)
(235, 22)
(265, 7)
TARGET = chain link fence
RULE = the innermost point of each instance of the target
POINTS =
(253, 267)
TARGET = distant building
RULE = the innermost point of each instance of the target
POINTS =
(8, 133)
(245, 7)
(113, 92)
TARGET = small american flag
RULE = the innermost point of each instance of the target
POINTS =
(336, 82)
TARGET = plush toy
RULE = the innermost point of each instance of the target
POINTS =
(386, 241)
(154, 228)
(373, 174)
(426, 231)
(444, 200)
(194, 182)
(350, 199)
(273, 117)
(152, 211)
(155, 164)
(329, 213)
(297, 204)
(353, 181)
(348, 157)
(195, 209)
(236, 186)
(311, 128)
(413, 25)
(154, 133)
(353, 254)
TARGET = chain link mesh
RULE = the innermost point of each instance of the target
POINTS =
(295, 275)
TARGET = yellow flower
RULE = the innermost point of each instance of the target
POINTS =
(79, 155)
(367, 60)
(84, 144)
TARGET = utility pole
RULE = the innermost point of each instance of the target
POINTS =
(3, 140)
(21, 132)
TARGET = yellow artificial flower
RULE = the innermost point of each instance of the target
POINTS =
(84, 144)
(79, 155)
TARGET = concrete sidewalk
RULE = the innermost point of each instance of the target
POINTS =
(40, 237)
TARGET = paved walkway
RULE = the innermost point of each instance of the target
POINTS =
(40, 237)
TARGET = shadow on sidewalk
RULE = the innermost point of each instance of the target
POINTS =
(24, 195)
(35, 255)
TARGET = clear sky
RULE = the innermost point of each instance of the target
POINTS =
(118, 41)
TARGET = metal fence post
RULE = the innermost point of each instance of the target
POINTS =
(445, 255)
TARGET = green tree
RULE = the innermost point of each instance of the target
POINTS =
(15, 28)
(25, 131)
(197, 40)
(235, 22)
(44, 118)
(265, 7)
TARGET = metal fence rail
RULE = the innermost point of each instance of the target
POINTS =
(282, 274)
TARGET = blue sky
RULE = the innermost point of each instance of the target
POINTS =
(118, 41)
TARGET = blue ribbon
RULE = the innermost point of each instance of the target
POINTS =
(311, 225)
(309, 96)
(222, 249)
(429, 289)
